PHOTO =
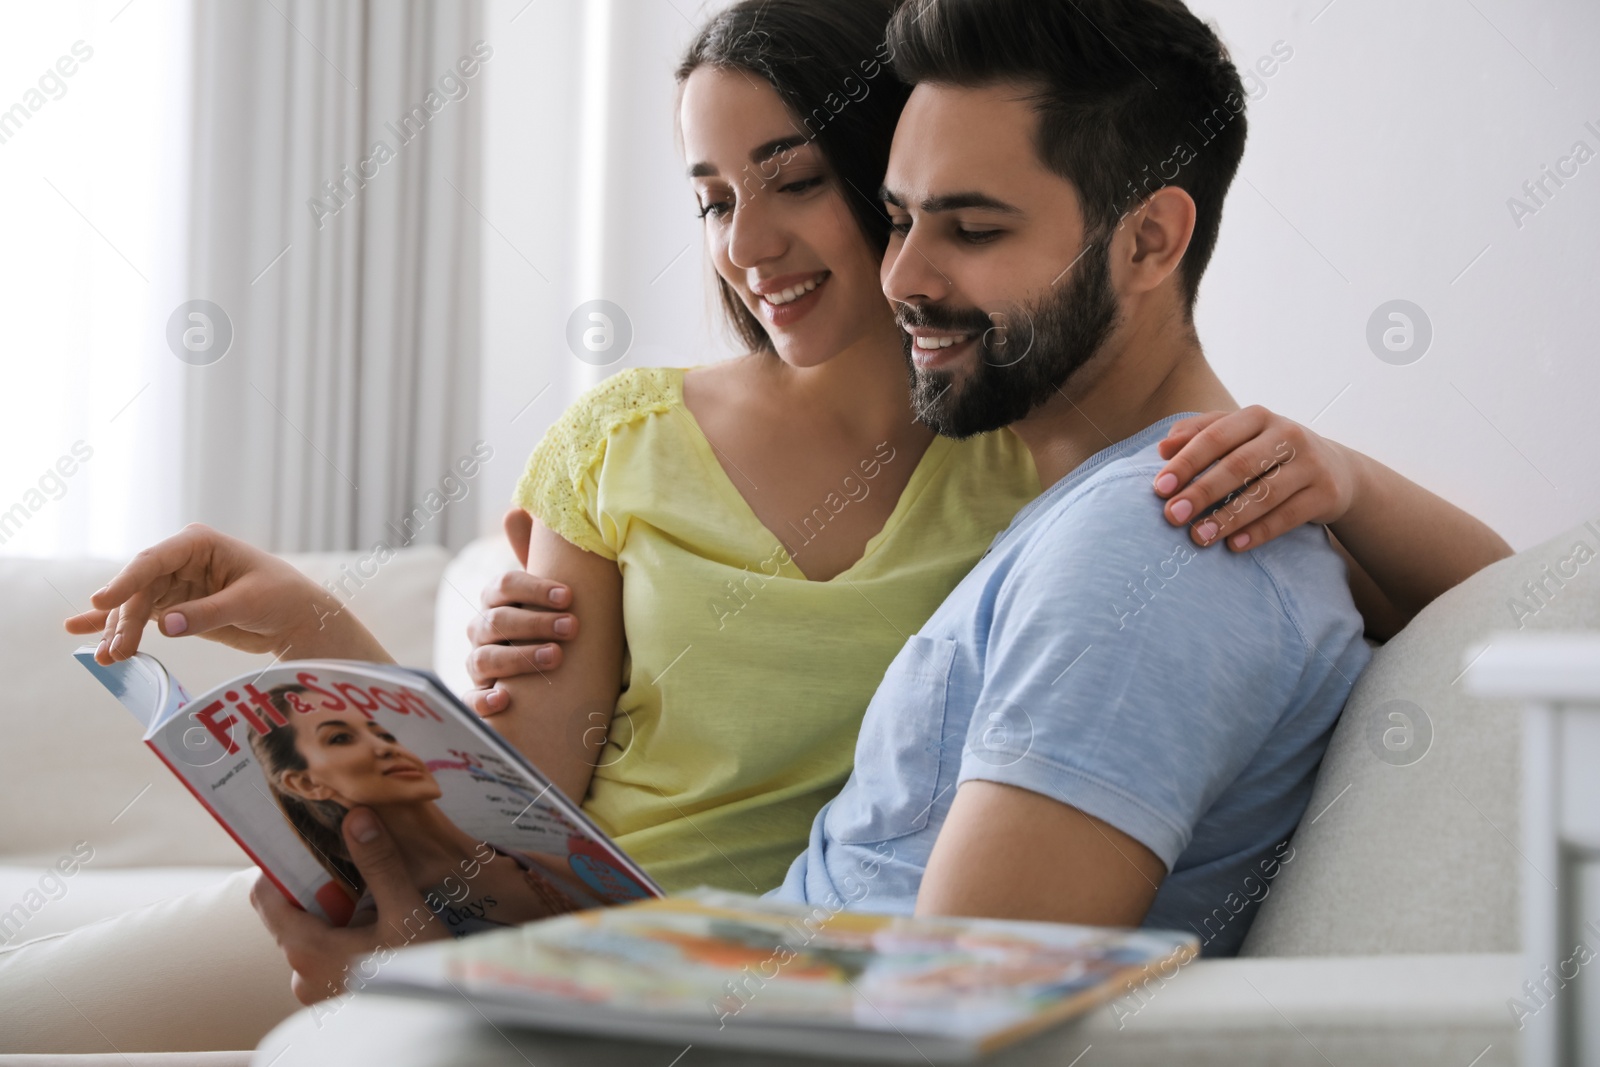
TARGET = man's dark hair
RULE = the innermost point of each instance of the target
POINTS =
(1132, 95)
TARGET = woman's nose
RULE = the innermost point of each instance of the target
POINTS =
(754, 235)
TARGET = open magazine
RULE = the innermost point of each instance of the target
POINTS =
(279, 757)
(717, 968)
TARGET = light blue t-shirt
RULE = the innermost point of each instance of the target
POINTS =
(1096, 656)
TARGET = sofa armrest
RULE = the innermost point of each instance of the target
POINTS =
(1373, 1010)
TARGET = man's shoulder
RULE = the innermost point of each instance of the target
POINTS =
(1107, 536)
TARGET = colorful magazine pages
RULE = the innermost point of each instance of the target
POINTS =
(731, 961)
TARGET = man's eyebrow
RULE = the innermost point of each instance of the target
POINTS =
(952, 202)
(760, 154)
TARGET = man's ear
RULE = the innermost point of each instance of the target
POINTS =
(1156, 234)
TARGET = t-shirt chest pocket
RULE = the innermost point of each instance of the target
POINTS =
(901, 739)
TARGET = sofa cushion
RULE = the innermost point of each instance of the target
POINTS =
(38, 904)
(1410, 843)
(186, 974)
(72, 766)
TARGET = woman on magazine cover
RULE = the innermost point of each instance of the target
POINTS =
(322, 762)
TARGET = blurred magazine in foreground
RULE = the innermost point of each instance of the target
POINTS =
(716, 968)
(279, 756)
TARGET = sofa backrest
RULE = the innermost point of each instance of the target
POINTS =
(72, 764)
(1410, 843)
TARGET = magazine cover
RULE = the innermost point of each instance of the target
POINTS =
(280, 756)
(724, 968)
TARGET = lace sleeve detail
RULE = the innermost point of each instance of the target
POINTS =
(558, 486)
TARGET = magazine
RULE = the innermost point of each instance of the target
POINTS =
(717, 968)
(279, 757)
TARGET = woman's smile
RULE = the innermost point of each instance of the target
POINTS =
(787, 299)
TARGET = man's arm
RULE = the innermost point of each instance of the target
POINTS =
(1007, 853)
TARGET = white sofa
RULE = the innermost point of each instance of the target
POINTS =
(1390, 936)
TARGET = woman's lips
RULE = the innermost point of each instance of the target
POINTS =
(781, 315)
(402, 772)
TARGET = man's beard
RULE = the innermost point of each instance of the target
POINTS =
(1024, 355)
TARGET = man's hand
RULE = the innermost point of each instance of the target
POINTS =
(523, 615)
(320, 954)
(206, 583)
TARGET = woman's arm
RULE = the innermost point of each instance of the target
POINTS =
(558, 719)
(1407, 543)
(1270, 474)
(204, 583)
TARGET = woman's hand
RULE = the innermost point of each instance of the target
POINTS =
(319, 954)
(1271, 475)
(206, 583)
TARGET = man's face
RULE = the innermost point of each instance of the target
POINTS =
(999, 296)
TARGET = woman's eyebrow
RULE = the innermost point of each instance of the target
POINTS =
(334, 722)
(759, 154)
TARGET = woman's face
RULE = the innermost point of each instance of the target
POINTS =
(778, 225)
(355, 760)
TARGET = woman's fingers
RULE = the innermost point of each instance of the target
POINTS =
(103, 653)
(1180, 432)
(88, 622)
(131, 617)
(1297, 510)
(1251, 504)
(1217, 440)
(521, 589)
(232, 605)
(155, 566)
(1238, 469)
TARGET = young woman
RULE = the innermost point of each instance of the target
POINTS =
(737, 551)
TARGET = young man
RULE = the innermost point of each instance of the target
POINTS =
(1056, 188)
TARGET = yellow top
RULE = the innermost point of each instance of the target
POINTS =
(746, 683)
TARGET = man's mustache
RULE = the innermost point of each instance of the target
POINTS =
(942, 317)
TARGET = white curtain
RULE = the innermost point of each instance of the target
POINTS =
(334, 222)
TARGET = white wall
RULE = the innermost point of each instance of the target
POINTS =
(585, 186)
(1391, 142)
(1381, 158)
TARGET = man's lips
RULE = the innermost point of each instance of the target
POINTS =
(932, 349)
(929, 339)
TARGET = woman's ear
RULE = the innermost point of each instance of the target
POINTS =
(1159, 230)
(302, 785)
